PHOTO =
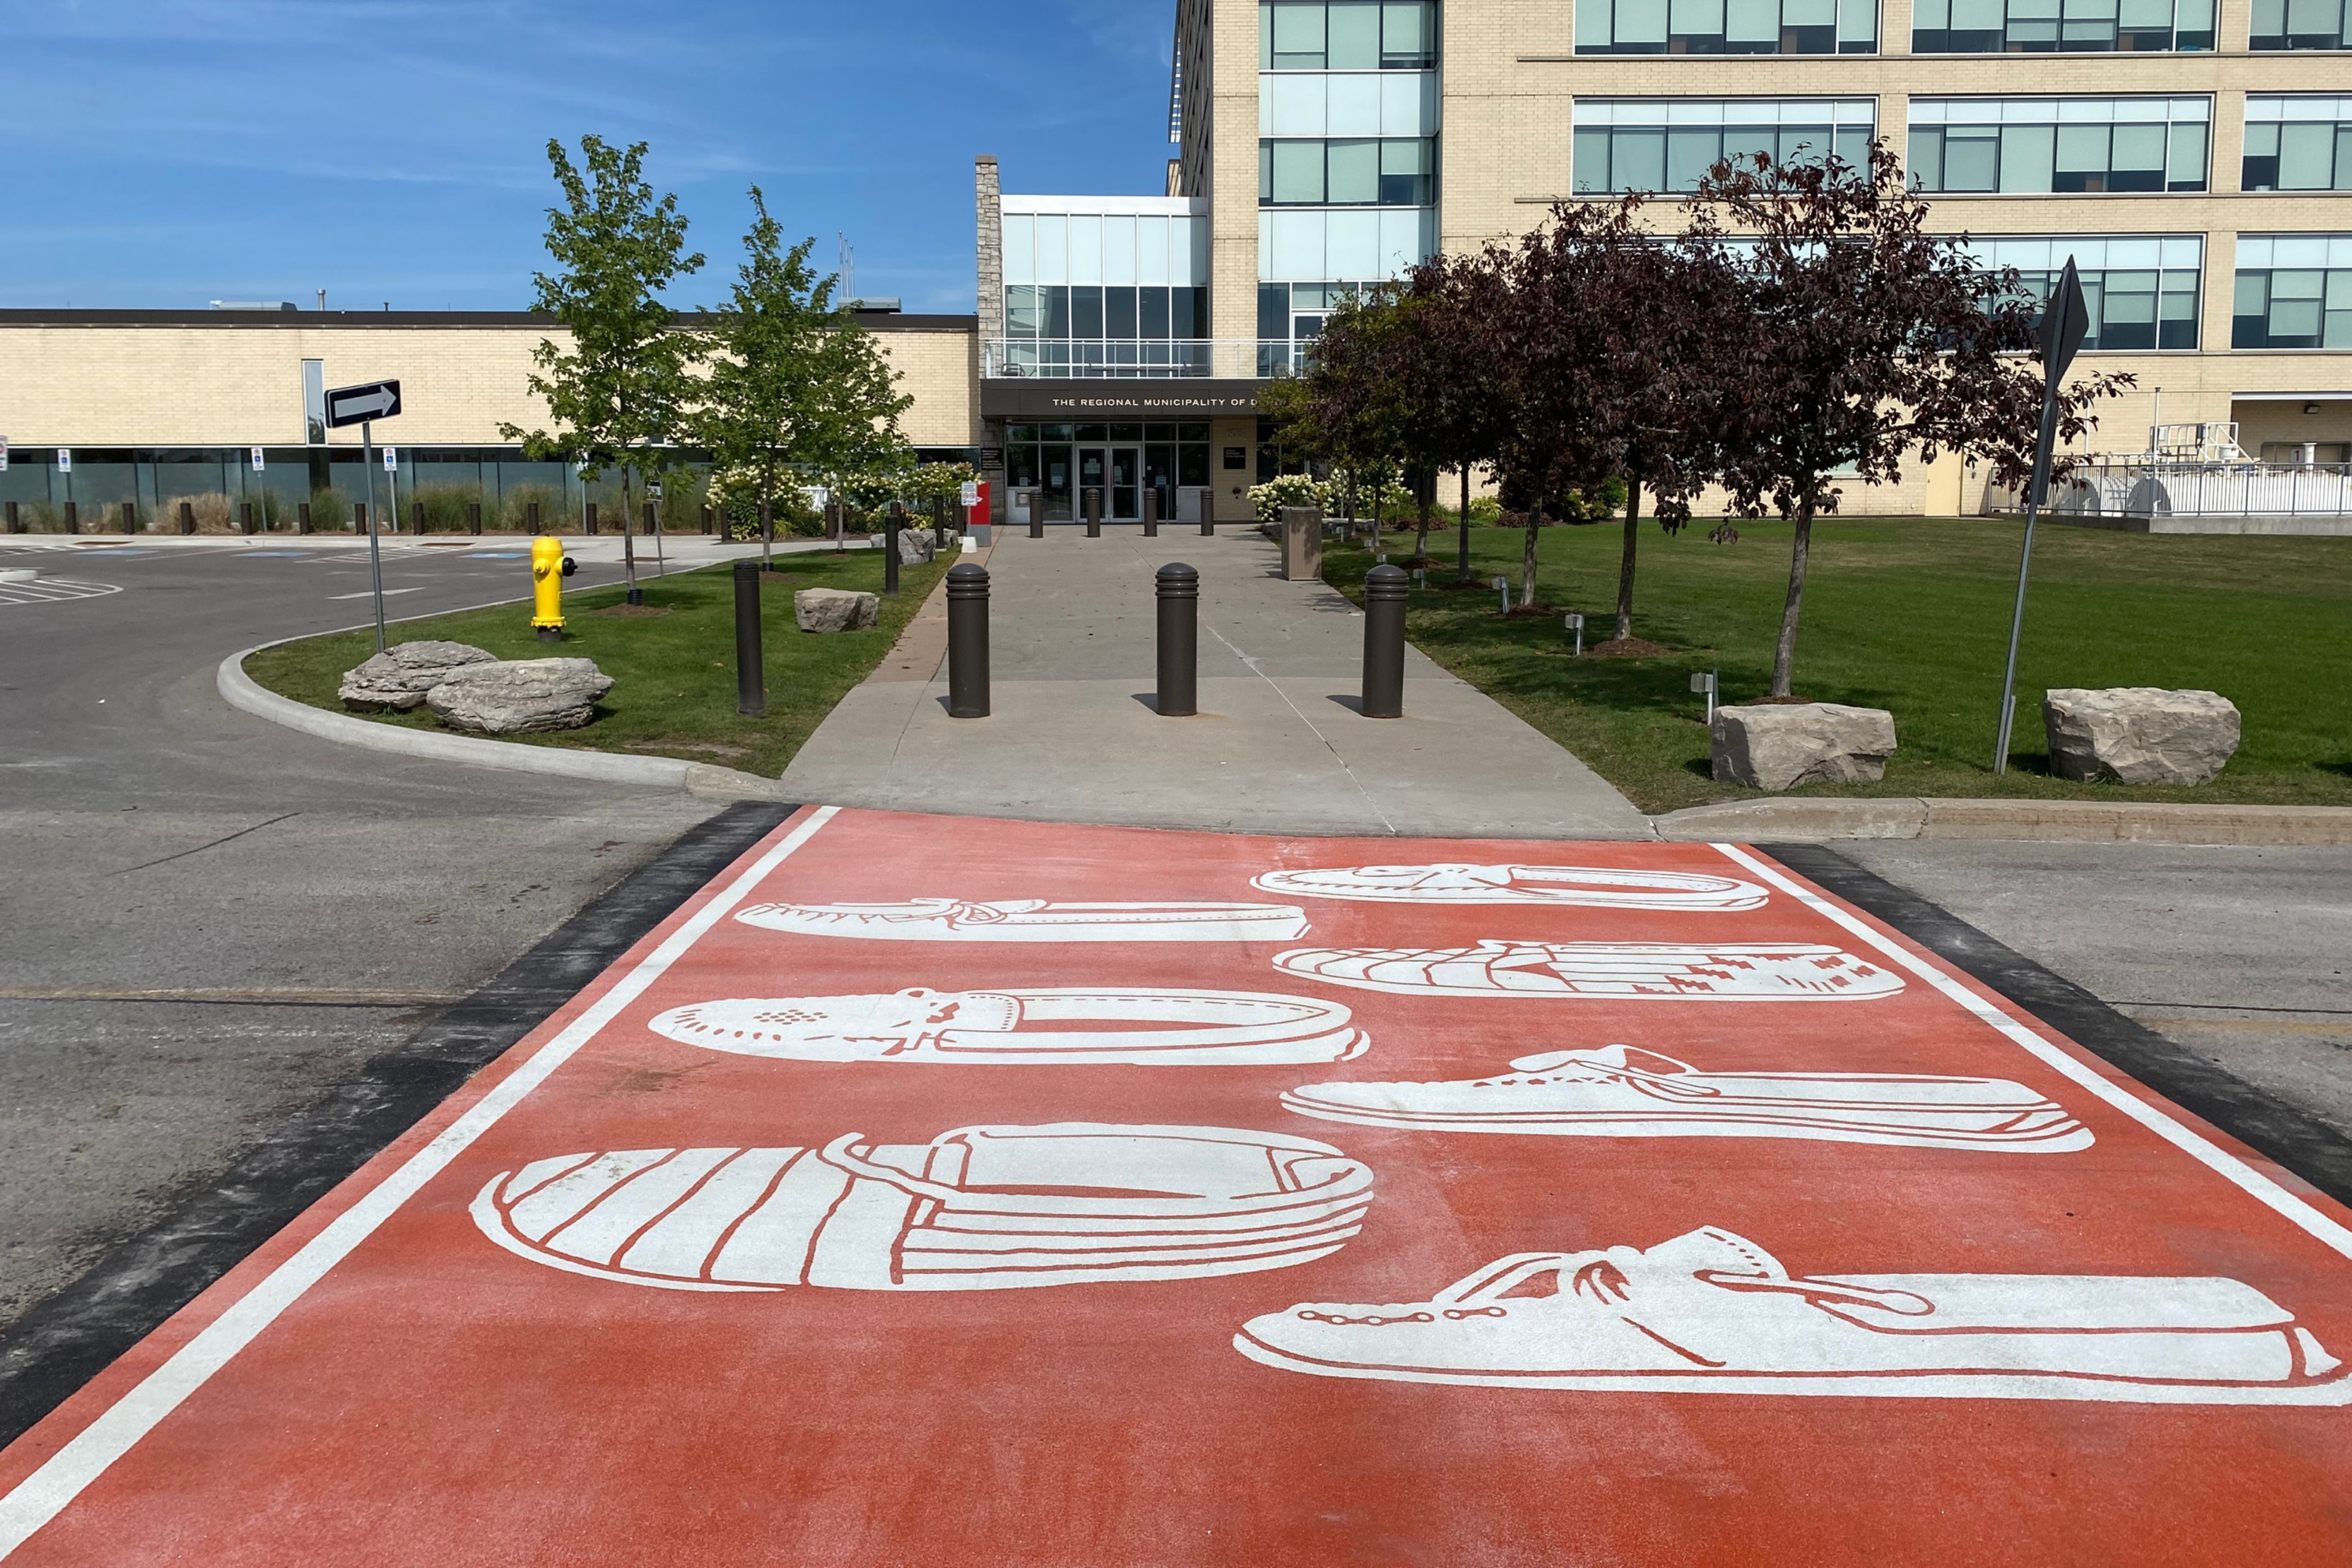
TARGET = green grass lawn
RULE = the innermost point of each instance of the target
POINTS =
(674, 674)
(1910, 616)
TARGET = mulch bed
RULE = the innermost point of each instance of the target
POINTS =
(629, 609)
(1626, 648)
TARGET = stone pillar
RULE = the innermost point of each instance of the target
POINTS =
(990, 277)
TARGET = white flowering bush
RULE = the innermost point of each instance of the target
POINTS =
(1288, 489)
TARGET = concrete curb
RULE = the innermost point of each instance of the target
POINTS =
(240, 691)
(1813, 820)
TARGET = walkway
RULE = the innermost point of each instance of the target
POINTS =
(1277, 745)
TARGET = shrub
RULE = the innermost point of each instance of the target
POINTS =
(1287, 489)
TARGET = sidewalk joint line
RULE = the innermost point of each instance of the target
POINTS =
(1310, 724)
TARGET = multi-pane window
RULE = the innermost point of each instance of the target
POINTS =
(1104, 310)
(2047, 26)
(2294, 291)
(2068, 144)
(2300, 144)
(2298, 24)
(1726, 27)
(2142, 289)
(1347, 35)
(1355, 172)
(1670, 143)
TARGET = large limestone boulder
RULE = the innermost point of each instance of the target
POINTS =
(519, 697)
(400, 676)
(1782, 745)
(916, 545)
(836, 609)
(2139, 734)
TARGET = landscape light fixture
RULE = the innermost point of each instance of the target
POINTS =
(1704, 682)
(2311, 408)
(1575, 622)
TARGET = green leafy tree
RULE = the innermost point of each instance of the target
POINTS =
(620, 390)
(765, 405)
(854, 434)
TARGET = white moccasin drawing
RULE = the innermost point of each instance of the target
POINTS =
(1034, 920)
(978, 1208)
(1711, 1311)
(1151, 1028)
(1449, 883)
(1617, 1091)
(1719, 972)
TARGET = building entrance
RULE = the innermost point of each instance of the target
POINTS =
(1119, 471)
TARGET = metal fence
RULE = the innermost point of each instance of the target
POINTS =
(2137, 489)
(1119, 359)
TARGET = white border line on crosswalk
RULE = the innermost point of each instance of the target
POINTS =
(2203, 1150)
(43, 1494)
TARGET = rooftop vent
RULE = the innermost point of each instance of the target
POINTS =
(887, 304)
(253, 304)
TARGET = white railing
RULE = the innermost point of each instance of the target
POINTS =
(2139, 490)
(1119, 359)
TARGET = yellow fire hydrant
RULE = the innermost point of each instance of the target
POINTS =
(547, 581)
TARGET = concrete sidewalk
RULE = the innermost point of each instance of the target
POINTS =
(1277, 745)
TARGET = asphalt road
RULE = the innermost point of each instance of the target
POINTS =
(209, 919)
(2243, 955)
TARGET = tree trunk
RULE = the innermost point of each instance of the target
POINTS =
(1462, 558)
(1527, 553)
(1784, 652)
(1425, 490)
(636, 596)
(767, 532)
(1625, 568)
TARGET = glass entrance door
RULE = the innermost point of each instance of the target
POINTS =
(1126, 484)
(1094, 464)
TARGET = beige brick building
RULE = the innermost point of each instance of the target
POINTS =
(2197, 165)
(2194, 157)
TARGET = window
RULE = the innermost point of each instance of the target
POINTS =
(2045, 26)
(2142, 289)
(2297, 144)
(2070, 144)
(1347, 35)
(1355, 172)
(1093, 311)
(2298, 24)
(1726, 27)
(2294, 291)
(1669, 144)
(1315, 243)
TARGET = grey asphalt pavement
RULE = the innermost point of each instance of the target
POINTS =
(2242, 954)
(210, 920)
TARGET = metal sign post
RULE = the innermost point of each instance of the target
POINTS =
(2065, 322)
(362, 405)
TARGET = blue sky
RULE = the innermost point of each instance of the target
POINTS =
(165, 154)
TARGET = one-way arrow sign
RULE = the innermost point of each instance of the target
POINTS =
(354, 405)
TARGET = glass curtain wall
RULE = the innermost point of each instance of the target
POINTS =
(1726, 27)
(2050, 26)
(1669, 143)
(2142, 289)
(2300, 144)
(2060, 144)
(1348, 157)
(2294, 291)
(1106, 294)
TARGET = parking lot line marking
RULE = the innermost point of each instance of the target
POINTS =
(2208, 1153)
(388, 593)
(47, 1491)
